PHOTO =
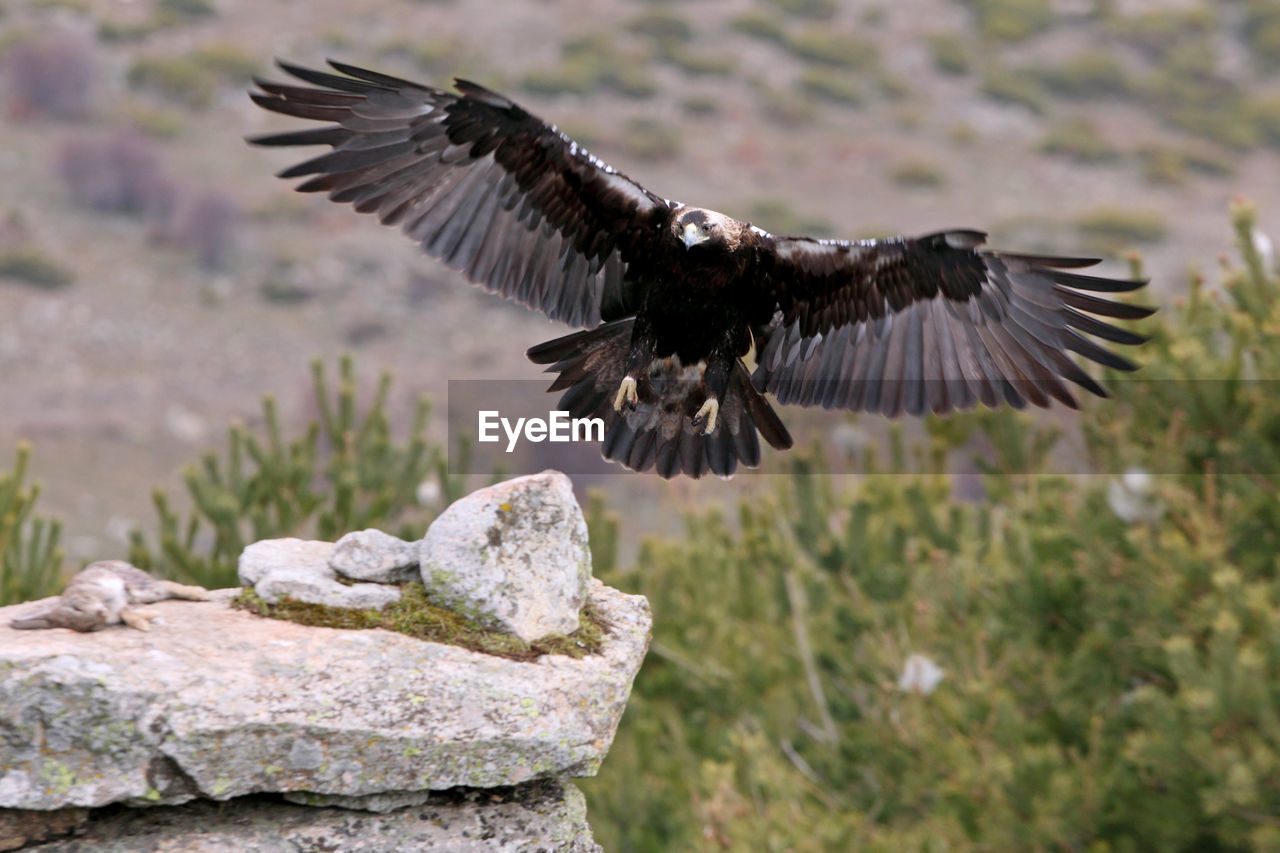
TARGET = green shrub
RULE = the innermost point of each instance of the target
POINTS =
(700, 62)
(1092, 74)
(698, 106)
(186, 9)
(663, 25)
(1261, 30)
(760, 26)
(1115, 228)
(592, 63)
(818, 10)
(1108, 684)
(1080, 140)
(778, 217)
(228, 63)
(950, 53)
(33, 267)
(1187, 92)
(1157, 32)
(30, 557)
(344, 472)
(1011, 20)
(837, 49)
(786, 107)
(1162, 164)
(831, 85)
(650, 139)
(1014, 87)
(917, 173)
(176, 78)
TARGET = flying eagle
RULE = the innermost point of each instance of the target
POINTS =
(672, 297)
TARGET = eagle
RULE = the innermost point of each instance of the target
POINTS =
(670, 298)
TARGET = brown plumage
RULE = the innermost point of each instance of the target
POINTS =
(673, 297)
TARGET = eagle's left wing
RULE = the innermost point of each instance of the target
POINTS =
(479, 182)
(931, 323)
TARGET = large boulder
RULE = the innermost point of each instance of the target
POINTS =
(513, 557)
(218, 703)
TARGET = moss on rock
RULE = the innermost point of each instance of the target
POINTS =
(415, 615)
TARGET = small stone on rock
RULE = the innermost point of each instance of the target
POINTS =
(300, 569)
(374, 556)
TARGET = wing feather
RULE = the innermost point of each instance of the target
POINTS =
(478, 182)
(932, 323)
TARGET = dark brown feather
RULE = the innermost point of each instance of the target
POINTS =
(932, 323)
(471, 176)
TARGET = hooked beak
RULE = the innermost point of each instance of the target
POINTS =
(692, 235)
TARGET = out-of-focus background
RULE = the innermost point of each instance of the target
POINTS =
(156, 282)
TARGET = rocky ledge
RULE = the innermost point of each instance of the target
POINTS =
(217, 703)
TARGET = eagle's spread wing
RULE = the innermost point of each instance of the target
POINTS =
(479, 182)
(931, 324)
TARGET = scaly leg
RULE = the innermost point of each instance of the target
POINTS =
(709, 412)
(638, 360)
(626, 395)
(715, 376)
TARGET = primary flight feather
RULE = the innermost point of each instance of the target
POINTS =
(671, 297)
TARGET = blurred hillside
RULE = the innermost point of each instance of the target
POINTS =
(155, 280)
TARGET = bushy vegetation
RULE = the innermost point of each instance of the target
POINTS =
(115, 172)
(30, 556)
(761, 26)
(826, 47)
(1014, 87)
(1079, 139)
(207, 224)
(1109, 679)
(1114, 228)
(52, 77)
(1011, 20)
(950, 53)
(345, 472)
(918, 173)
(593, 63)
(831, 85)
(35, 268)
(1092, 74)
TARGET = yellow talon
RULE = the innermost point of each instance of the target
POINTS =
(709, 412)
(627, 395)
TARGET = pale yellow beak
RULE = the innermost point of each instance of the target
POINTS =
(693, 235)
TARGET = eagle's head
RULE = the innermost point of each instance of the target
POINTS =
(706, 228)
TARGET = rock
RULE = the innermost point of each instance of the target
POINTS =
(378, 803)
(513, 557)
(539, 816)
(20, 827)
(218, 703)
(300, 569)
(374, 556)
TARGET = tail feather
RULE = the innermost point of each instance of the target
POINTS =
(658, 433)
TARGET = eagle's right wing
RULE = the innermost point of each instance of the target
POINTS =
(480, 183)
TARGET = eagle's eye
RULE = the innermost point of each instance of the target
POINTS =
(706, 229)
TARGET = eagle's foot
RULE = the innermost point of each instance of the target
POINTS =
(709, 412)
(627, 395)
